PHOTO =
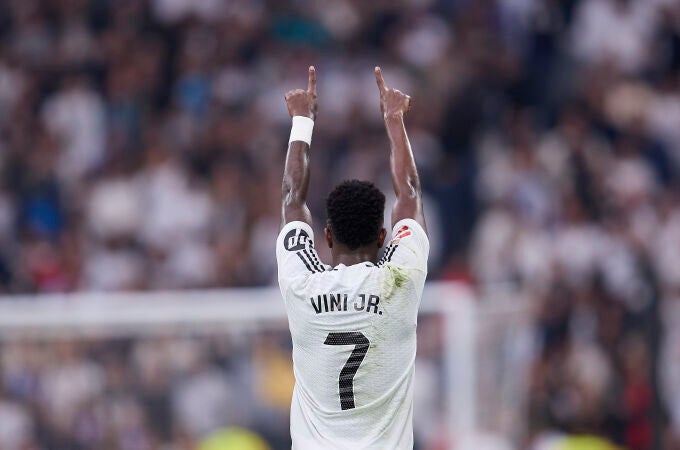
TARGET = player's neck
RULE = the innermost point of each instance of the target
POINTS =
(349, 257)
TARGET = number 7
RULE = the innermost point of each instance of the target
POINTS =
(346, 378)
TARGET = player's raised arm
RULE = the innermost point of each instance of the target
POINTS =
(302, 108)
(394, 105)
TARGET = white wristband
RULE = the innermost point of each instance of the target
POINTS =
(301, 130)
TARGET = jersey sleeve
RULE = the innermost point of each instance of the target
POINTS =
(296, 257)
(409, 246)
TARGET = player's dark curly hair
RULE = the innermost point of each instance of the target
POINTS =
(355, 213)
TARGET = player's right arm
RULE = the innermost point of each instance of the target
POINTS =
(301, 105)
(295, 254)
(394, 105)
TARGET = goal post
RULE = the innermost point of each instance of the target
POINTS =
(478, 337)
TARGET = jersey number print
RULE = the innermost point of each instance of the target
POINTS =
(346, 379)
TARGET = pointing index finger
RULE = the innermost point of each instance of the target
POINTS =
(311, 86)
(379, 79)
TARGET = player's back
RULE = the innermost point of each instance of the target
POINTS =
(354, 340)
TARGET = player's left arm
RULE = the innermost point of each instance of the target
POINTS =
(409, 245)
(302, 106)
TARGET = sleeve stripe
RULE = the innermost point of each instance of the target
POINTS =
(302, 258)
(387, 250)
(387, 256)
(312, 259)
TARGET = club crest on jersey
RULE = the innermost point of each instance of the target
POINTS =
(295, 240)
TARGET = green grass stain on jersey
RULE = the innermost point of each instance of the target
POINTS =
(399, 277)
(395, 280)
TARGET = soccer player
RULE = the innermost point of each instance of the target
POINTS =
(353, 323)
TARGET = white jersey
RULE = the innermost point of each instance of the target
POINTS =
(354, 340)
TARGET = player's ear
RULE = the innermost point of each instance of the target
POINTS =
(329, 236)
(381, 237)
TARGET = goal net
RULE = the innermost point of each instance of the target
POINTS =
(169, 370)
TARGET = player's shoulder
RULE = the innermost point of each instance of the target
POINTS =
(406, 232)
(409, 228)
(407, 249)
(295, 236)
(295, 252)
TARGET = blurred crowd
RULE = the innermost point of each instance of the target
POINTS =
(142, 143)
(166, 392)
(137, 394)
(173, 390)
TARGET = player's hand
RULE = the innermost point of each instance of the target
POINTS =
(301, 102)
(393, 102)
